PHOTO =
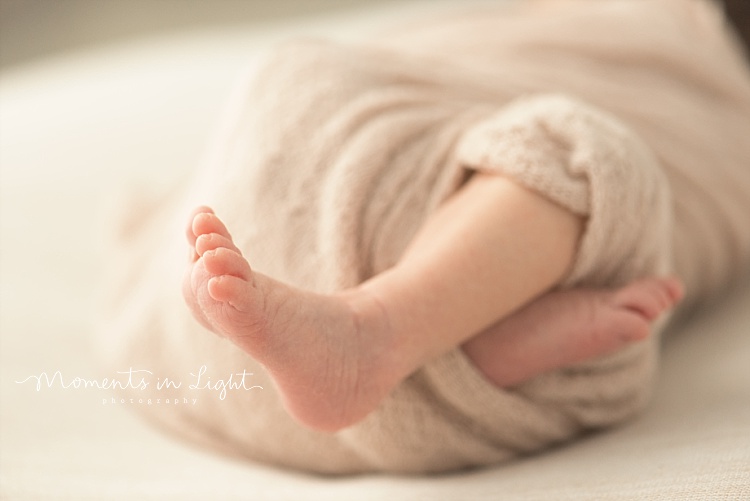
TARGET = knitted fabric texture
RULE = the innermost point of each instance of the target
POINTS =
(633, 114)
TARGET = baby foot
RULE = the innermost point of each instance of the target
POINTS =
(563, 328)
(328, 355)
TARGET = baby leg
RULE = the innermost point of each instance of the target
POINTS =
(335, 357)
(566, 327)
(329, 358)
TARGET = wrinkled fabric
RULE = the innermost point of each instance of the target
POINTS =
(634, 115)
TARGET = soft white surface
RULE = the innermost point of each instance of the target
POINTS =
(76, 129)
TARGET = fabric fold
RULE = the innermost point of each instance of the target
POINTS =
(335, 155)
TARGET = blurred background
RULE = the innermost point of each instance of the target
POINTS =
(102, 99)
(32, 29)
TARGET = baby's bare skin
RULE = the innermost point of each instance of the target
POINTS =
(335, 357)
(566, 327)
(331, 357)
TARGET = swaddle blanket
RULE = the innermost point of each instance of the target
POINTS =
(633, 114)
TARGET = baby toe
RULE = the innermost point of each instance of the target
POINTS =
(205, 223)
(224, 261)
(229, 289)
(213, 241)
(189, 233)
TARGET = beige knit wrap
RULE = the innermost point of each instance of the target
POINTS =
(634, 114)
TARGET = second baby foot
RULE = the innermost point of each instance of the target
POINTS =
(566, 327)
(328, 355)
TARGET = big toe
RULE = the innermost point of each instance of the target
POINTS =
(189, 293)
